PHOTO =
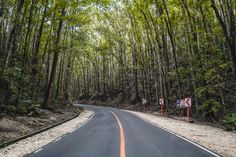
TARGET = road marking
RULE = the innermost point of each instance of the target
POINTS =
(70, 131)
(171, 132)
(84, 122)
(38, 150)
(57, 140)
(122, 137)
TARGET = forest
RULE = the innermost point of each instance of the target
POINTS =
(54, 51)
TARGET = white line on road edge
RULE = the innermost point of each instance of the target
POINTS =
(83, 122)
(86, 120)
(57, 140)
(69, 132)
(38, 150)
(207, 150)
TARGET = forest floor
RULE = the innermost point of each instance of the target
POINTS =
(16, 125)
(216, 139)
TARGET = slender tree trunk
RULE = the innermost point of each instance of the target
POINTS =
(55, 60)
(229, 35)
(170, 32)
(12, 44)
(35, 60)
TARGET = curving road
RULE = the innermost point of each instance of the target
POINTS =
(116, 133)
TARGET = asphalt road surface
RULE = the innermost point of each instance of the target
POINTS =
(116, 133)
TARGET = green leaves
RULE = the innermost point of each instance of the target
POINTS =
(127, 47)
(231, 120)
(17, 78)
(210, 106)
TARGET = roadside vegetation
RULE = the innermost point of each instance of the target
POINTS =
(53, 52)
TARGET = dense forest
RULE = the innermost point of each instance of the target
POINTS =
(54, 51)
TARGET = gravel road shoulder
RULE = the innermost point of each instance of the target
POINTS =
(217, 140)
(35, 142)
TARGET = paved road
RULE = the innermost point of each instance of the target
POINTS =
(116, 133)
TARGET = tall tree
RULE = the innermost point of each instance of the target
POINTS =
(55, 60)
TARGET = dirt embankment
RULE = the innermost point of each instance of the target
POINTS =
(15, 126)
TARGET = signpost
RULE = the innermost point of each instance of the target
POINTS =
(182, 103)
(144, 105)
(188, 105)
(178, 103)
(161, 102)
(185, 103)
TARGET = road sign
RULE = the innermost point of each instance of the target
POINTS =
(178, 103)
(144, 101)
(188, 102)
(182, 103)
(188, 105)
(161, 101)
(185, 103)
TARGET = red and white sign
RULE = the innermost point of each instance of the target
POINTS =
(144, 101)
(185, 103)
(161, 101)
(188, 105)
(182, 103)
(188, 102)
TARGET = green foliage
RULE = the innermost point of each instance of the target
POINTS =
(111, 48)
(231, 120)
(210, 105)
(27, 107)
(207, 90)
(17, 78)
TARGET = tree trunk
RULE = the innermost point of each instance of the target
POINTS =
(47, 94)
(34, 70)
(229, 35)
(12, 44)
(170, 33)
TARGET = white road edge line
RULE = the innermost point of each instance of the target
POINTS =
(86, 120)
(57, 140)
(83, 122)
(69, 131)
(207, 150)
(38, 150)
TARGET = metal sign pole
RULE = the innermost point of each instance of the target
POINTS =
(161, 102)
(161, 110)
(188, 114)
(144, 105)
(188, 105)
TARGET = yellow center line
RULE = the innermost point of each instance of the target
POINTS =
(122, 137)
